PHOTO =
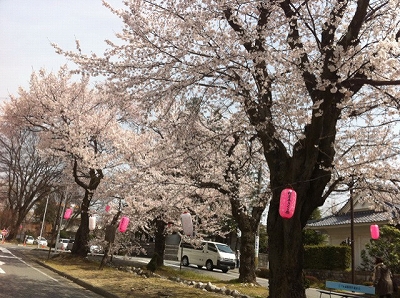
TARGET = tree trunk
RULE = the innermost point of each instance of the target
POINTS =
(159, 243)
(106, 256)
(109, 237)
(248, 225)
(247, 269)
(285, 235)
(14, 230)
(285, 253)
(81, 244)
(18, 216)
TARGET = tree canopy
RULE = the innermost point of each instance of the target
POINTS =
(307, 77)
(316, 83)
(386, 247)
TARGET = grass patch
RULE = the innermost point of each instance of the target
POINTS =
(233, 284)
(185, 274)
(126, 284)
(247, 289)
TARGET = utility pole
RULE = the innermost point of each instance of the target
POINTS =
(60, 222)
(257, 242)
(352, 232)
(43, 222)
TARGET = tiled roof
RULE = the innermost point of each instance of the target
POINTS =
(359, 218)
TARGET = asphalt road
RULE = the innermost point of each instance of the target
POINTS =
(22, 278)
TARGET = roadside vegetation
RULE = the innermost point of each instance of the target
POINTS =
(120, 282)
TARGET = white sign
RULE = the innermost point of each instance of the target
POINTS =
(257, 245)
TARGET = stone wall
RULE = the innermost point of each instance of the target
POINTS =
(361, 277)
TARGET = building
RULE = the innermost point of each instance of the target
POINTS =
(337, 227)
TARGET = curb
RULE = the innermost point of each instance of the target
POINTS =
(86, 285)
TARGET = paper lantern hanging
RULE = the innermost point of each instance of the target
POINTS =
(187, 223)
(287, 203)
(123, 224)
(108, 207)
(92, 223)
(68, 213)
(374, 231)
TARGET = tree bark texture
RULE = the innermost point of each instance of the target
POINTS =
(160, 239)
(81, 244)
(285, 256)
(110, 238)
(248, 225)
(247, 269)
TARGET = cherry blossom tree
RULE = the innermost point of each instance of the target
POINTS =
(242, 184)
(77, 124)
(157, 191)
(222, 161)
(295, 70)
(225, 156)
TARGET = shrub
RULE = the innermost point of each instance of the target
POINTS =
(386, 247)
(327, 257)
(262, 272)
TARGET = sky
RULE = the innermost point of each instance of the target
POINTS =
(28, 27)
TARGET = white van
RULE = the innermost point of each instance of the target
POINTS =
(209, 254)
(62, 243)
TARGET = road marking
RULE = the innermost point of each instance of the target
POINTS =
(1, 270)
(8, 257)
(45, 274)
(22, 261)
(3, 249)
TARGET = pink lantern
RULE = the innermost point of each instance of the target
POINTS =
(108, 207)
(374, 231)
(187, 223)
(287, 203)
(68, 213)
(92, 223)
(123, 224)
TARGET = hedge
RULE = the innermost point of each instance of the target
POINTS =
(327, 257)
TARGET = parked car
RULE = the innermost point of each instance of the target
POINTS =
(62, 243)
(70, 244)
(40, 241)
(29, 240)
(96, 249)
(209, 254)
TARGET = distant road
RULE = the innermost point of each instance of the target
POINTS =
(231, 274)
(21, 278)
